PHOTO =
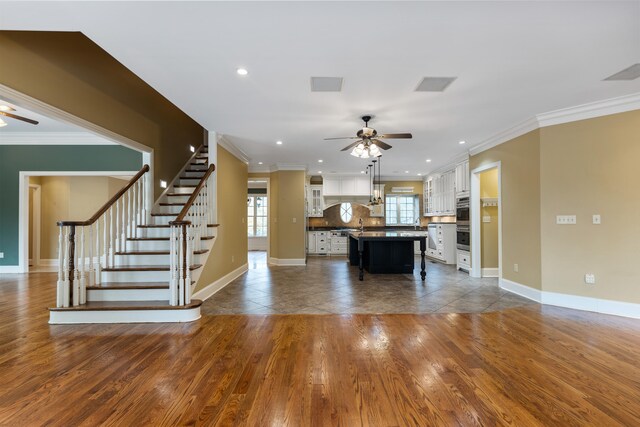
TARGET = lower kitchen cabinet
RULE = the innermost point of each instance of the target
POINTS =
(441, 244)
(464, 260)
(326, 242)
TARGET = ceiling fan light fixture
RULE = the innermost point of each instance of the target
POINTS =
(2, 123)
(6, 108)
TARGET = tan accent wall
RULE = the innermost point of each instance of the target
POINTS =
(489, 230)
(290, 202)
(230, 248)
(591, 167)
(520, 193)
(68, 71)
(72, 198)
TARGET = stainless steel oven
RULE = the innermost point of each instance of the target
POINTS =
(463, 237)
(462, 211)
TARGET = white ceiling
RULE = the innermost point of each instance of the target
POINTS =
(512, 60)
(45, 124)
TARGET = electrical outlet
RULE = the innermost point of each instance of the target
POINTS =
(233, 258)
(1, 254)
(486, 218)
(295, 220)
(596, 219)
(516, 268)
(566, 219)
(590, 279)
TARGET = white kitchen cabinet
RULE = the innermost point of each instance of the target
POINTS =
(442, 243)
(315, 201)
(464, 260)
(331, 186)
(338, 243)
(439, 194)
(462, 179)
(311, 242)
(362, 186)
(319, 242)
(345, 186)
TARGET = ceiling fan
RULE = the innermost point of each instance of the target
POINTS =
(5, 111)
(369, 141)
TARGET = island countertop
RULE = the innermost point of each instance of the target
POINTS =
(397, 235)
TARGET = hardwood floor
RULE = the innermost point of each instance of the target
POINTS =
(534, 365)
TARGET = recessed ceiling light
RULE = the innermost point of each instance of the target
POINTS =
(428, 160)
(361, 171)
(279, 142)
(242, 71)
(6, 108)
(259, 163)
(406, 171)
(462, 142)
(319, 171)
(320, 161)
(419, 174)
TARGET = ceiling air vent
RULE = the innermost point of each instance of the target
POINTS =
(326, 84)
(630, 73)
(434, 84)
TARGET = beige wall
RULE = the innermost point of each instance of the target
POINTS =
(591, 167)
(489, 230)
(520, 193)
(290, 204)
(68, 71)
(230, 248)
(74, 198)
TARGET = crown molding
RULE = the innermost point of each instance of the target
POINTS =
(506, 135)
(590, 110)
(52, 138)
(230, 147)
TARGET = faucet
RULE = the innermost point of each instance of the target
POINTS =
(361, 224)
(415, 226)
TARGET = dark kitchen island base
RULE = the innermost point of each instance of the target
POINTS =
(385, 253)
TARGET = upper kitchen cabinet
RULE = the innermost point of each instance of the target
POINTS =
(440, 195)
(462, 179)
(315, 201)
(345, 186)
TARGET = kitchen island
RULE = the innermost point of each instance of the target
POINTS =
(383, 252)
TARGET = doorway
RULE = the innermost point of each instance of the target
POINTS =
(486, 221)
(258, 227)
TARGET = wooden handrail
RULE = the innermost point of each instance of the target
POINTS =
(183, 213)
(110, 203)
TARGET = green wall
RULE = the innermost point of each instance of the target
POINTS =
(15, 158)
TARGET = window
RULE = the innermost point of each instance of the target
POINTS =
(346, 212)
(401, 210)
(257, 216)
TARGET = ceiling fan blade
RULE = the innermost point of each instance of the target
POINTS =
(350, 146)
(381, 144)
(396, 135)
(343, 137)
(13, 116)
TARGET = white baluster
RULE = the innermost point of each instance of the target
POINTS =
(173, 262)
(76, 277)
(187, 281)
(123, 230)
(82, 285)
(130, 220)
(145, 195)
(98, 271)
(105, 238)
(117, 228)
(112, 255)
(181, 263)
(67, 277)
(134, 224)
(91, 277)
(60, 285)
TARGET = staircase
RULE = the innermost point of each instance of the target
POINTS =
(131, 263)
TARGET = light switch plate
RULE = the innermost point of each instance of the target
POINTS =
(486, 218)
(566, 219)
(596, 219)
(1, 254)
(590, 279)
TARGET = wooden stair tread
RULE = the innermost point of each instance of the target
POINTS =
(190, 177)
(154, 226)
(202, 171)
(146, 268)
(213, 225)
(129, 305)
(130, 285)
(185, 185)
(171, 204)
(136, 239)
(164, 214)
(199, 252)
(202, 157)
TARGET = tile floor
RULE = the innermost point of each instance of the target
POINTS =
(329, 285)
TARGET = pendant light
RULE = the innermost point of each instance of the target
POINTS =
(379, 174)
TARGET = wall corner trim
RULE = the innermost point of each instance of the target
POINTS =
(288, 261)
(576, 302)
(230, 147)
(206, 292)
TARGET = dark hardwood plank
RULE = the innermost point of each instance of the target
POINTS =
(530, 366)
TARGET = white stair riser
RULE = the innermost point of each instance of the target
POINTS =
(124, 316)
(147, 259)
(200, 164)
(127, 294)
(169, 209)
(193, 181)
(183, 190)
(176, 199)
(194, 174)
(148, 245)
(135, 276)
(156, 232)
(163, 220)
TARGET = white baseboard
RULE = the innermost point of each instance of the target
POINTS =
(10, 269)
(490, 272)
(597, 305)
(214, 287)
(123, 316)
(287, 261)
